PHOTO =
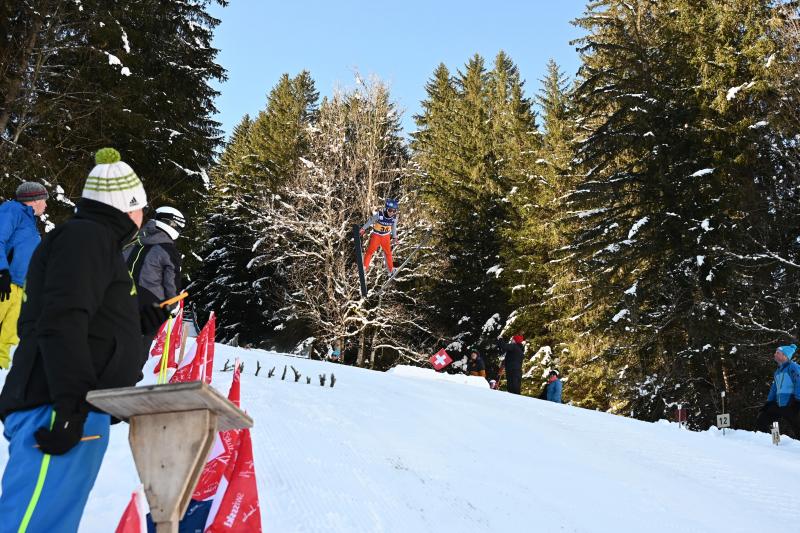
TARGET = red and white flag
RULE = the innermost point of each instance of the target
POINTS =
(238, 510)
(222, 452)
(198, 362)
(440, 359)
(173, 328)
(134, 519)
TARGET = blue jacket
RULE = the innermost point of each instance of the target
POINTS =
(785, 384)
(554, 391)
(18, 233)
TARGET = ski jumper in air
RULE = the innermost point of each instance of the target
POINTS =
(384, 231)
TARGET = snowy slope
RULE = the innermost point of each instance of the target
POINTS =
(389, 452)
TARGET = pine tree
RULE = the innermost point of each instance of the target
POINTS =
(261, 156)
(84, 75)
(678, 178)
(474, 147)
(279, 132)
(222, 282)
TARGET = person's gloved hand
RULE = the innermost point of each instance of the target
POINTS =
(66, 433)
(151, 317)
(5, 285)
(765, 406)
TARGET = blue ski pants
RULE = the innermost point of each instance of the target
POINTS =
(44, 493)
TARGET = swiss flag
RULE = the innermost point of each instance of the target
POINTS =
(198, 363)
(172, 328)
(134, 519)
(440, 359)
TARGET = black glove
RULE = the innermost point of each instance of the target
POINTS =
(66, 433)
(765, 406)
(5, 285)
(151, 317)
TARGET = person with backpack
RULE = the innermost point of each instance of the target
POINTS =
(19, 237)
(783, 400)
(514, 353)
(155, 263)
(475, 364)
(80, 329)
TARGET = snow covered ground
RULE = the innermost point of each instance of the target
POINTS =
(400, 452)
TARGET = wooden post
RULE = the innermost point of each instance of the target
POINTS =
(170, 451)
(172, 429)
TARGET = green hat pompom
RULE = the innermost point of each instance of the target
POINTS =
(106, 156)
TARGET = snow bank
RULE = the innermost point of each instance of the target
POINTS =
(394, 453)
(415, 372)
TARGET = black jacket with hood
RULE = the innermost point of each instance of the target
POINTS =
(79, 326)
(514, 353)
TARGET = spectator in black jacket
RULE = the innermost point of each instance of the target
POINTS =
(475, 364)
(155, 263)
(512, 363)
(80, 330)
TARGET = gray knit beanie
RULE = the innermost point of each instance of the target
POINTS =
(30, 191)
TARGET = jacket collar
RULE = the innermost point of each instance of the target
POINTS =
(120, 224)
(25, 208)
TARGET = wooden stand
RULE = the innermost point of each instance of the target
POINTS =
(172, 429)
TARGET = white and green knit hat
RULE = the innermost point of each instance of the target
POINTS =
(114, 183)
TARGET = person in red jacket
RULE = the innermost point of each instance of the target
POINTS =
(384, 233)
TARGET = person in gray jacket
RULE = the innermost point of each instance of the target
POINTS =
(154, 261)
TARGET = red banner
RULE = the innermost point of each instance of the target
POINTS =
(198, 362)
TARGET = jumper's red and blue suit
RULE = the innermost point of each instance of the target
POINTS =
(384, 229)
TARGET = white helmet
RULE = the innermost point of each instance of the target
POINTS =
(170, 220)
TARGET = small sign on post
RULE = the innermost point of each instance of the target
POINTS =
(681, 416)
(776, 434)
(723, 420)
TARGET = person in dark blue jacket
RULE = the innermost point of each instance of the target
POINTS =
(784, 395)
(554, 387)
(19, 237)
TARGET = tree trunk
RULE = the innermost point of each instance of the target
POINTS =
(13, 84)
(360, 361)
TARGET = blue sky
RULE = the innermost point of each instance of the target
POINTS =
(400, 42)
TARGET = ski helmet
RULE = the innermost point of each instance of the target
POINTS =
(392, 204)
(170, 220)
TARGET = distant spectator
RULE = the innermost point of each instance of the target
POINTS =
(475, 364)
(19, 237)
(335, 352)
(784, 395)
(512, 364)
(553, 387)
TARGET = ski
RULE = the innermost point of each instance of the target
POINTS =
(404, 263)
(362, 278)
